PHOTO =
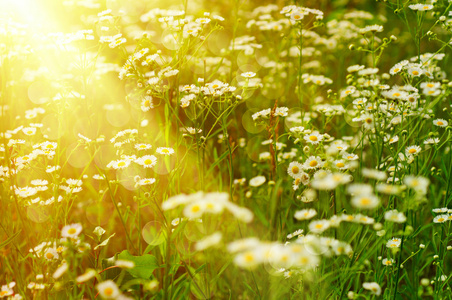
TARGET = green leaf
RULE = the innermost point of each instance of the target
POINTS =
(144, 265)
(104, 243)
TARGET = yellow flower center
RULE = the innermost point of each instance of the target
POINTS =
(295, 169)
(365, 201)
(72, 231)
(412, 150)
(121, 164)
(195, 208)
(313, 163)
(148, 161)
(313, 138)
(340, 165)
(440, 123)
(108, 291)
(49, 255)
(249, 257)
(415, 72)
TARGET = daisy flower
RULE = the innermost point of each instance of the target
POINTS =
(441, 219)
(373, 287)
(319, 226)
(395, 216)
(71, 231)
(440, 122)
(388, 262)
(147, 161)
(394, 243)
(165, 150)
(295, 169)
(257, 181)
(146, 103)
(350, 156)
(313, 138)
(365, 201)
(142, 147)
(313, 162)
(248, 74)
(108, 289)
(305, 214)
(415, 71)
(340, 164)
(412, 150)
(51, 254)
(146, 181)
(119, 164)
(29, 130)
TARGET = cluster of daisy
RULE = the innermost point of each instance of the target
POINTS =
(7, 292)
(304, 253)
(197, 204)
(267, 113)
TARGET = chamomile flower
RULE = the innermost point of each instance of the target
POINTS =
(365, 201)
(146, 181)
(388, 262)
(108, 289)
(305, 214)
(319, 226)
(396, 69)
(143, 147)
(249, 259)
(119, 164)
(412, 150)
(373, 287)
(146, 103)
(440, 123)
(313, 162)
(395, 216)
(71, 231)
(248, 74)
(313, 138)
(147, 161)
(394, 243)
(350, 156)
(418, 183)
(421, 7)
(50, 254)
(165, 150)
(340, 164)
(29, 130)
(257, 181)
(295, 169)
(441, 219)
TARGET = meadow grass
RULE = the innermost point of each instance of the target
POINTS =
(225, 150)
